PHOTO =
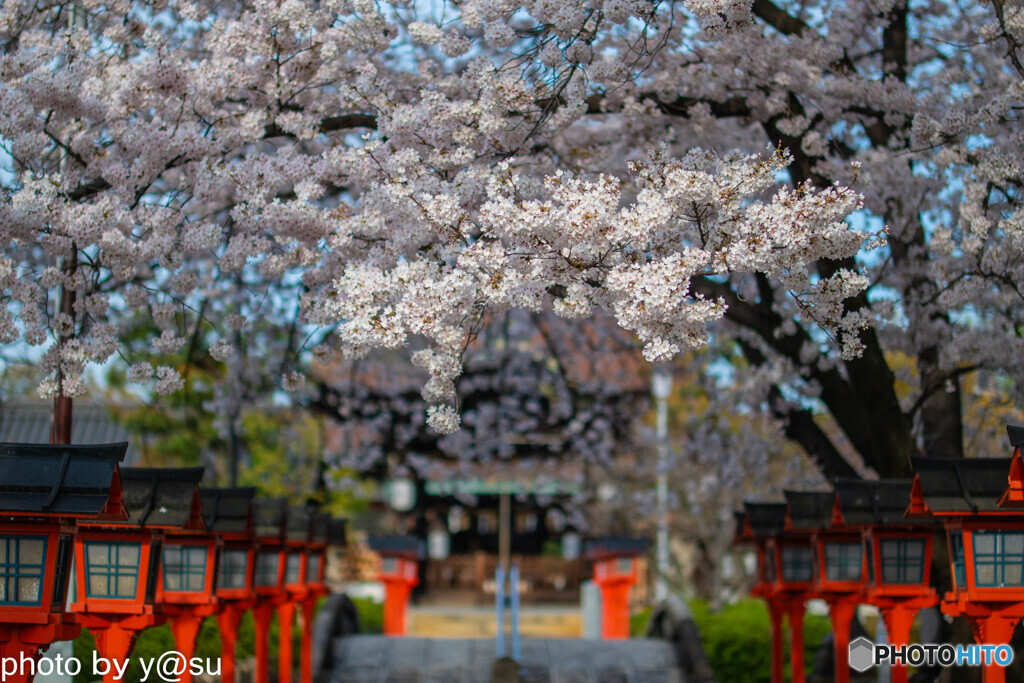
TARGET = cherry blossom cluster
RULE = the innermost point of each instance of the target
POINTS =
(364, 175)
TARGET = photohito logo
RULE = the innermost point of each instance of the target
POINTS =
(864, 654)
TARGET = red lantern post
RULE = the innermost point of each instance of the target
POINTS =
(228, 515)
(977, 500)
(399, 556)
(320, 536)
(118, 563)
(898, 552)
(44, 491)
(784, 583)
(841, 578)
(615, 573)
(268, 580)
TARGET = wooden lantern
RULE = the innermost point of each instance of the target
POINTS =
(615, 573)
(44, 491)
(117, 563)
(786, 570)
(986, 541)
(898, 553)
(228, 515)
(399, 571)
(269, 516)
(841, 569)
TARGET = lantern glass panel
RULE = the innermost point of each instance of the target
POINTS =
(389, 565)
(22, 561)
(266, 568)
(234, 565)
(292, 569)
(797, 563)
(313, 567)
(843, 561)
(902, 560)
(112, 569)
(184, 568)
(998, 558)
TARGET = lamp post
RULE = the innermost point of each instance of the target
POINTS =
(399, 572)
(117, 563)
(985, 533)
(898, 553)
(840, 575)
(47, 489)
(228, 515)
(785, 591)
(661, 387)
(268, 578)
(615, 572)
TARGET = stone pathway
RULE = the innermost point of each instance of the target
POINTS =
(376, 659)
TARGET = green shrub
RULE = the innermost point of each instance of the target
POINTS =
(737, 640)
(153, 642)
(638, 622)
(371, 615)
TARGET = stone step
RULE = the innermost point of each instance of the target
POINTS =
(435, 622)
(379, 659)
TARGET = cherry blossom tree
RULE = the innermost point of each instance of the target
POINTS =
(365, 174)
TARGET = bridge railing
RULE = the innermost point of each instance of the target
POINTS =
(337, 617)
(672, 620)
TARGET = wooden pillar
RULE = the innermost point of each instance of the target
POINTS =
(227, 622)
(841, 614)
(25, 655)
(285, 617)
(396, 601)
(262, 615)
(775, 622)
(306, 651)
(898, 621)
(185, 628)
(114, 644)
(993, 630)
(796, 610)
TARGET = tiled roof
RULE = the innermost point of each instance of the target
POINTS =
(766, 519)
(268, 516)
(29, 422)
(874, 502)
(227, 510)
(605, 547)
(962, 484)
(72, 480)
(403, 546)
(160, 497)
(810, 509)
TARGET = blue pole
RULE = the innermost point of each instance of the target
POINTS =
(517, 652)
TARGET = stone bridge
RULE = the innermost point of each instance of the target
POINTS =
(670, 654)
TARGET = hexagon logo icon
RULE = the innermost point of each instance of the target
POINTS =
(862, 654)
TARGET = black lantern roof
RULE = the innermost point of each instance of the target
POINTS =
(298, 524)
(338, 537)
(161, 497)
(57, 479)
(962, 484)
(766, 519)
(874, 502)
(402, 546)
(227, 510)
(268, 515)
(320, 528)
(600, 548)
(810, 509)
